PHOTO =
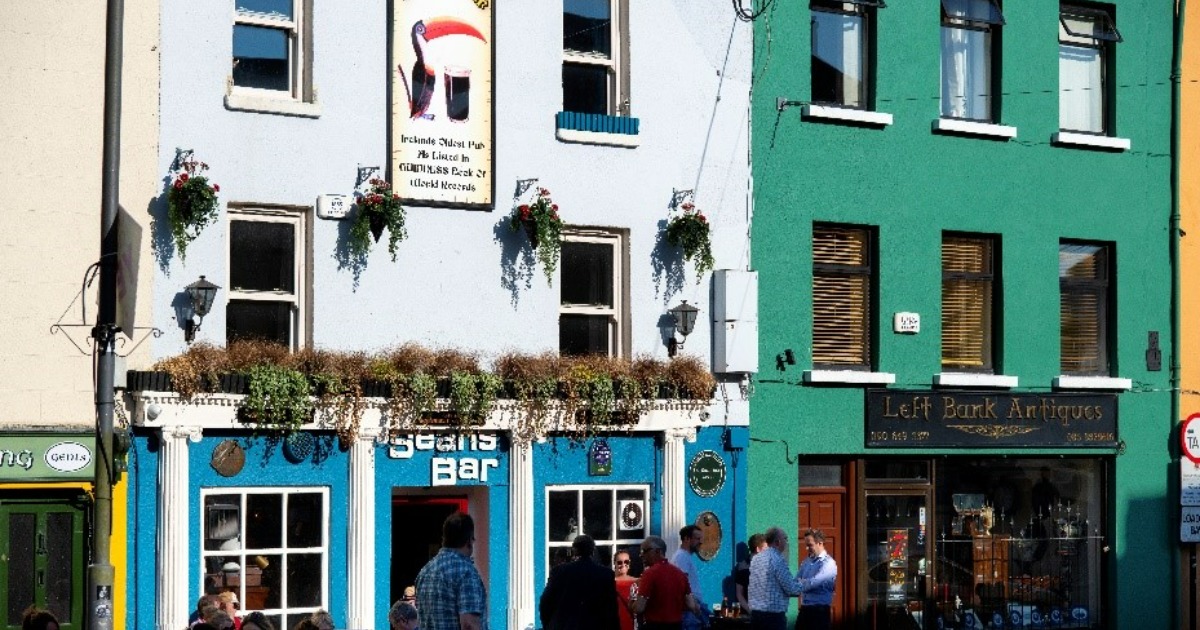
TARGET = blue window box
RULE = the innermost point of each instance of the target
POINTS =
(619, 131)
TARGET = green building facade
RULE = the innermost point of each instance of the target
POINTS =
(961, 232)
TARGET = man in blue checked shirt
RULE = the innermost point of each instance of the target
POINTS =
(817, 576)
(771, 583)
(449, 588)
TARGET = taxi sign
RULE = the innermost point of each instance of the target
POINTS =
(1189, 438)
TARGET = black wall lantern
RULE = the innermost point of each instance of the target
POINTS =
(685, 322)
(201, 294)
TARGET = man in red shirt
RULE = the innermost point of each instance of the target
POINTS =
(663, 592)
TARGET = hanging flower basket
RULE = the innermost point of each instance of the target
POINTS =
(542, 225)
(192, 203)
(378, 208)
(690, 231)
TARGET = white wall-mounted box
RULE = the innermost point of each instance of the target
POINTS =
(735, 347)
(906, 323)
(334, 206)
(735, 295)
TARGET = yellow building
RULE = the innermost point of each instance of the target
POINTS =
(51, 138)
(1189, 253)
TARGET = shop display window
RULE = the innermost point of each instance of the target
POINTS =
(270, 546)
(615, 516)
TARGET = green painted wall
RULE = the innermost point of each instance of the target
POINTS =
(913, 184)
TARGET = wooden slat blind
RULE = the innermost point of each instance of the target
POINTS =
(841, 296)
(967, 303)
(1083, 279)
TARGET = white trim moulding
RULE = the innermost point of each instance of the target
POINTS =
(974, 128)
(1111, 383)
(595, 137)
(848, 377)
(262, 105)
(966, 379)
(1089, 141)
(845, 114)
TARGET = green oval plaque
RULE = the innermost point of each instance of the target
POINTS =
(706, 473)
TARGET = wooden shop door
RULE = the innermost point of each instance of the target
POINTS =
(824, 509)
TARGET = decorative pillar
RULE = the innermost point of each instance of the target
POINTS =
(520, 537)
(674, 484)
(174, 509)
(360, 540)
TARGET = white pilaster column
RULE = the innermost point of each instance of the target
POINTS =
(174, 507)
(360, 540)
(520, 537)
(674, 484)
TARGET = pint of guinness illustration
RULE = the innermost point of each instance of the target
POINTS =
(458, 92)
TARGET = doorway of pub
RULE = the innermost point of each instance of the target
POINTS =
(417, 535)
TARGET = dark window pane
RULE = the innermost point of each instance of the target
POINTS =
(585, 88)
(587, 274)
(820, 475)
(262, 256)
(564, 510)
(598, 514)
(260, 57)
(583, 334)
(60, 565)
(295, 619)
(246, 319)
(587, 26)
(222, 521)
(20, 565)
(882, 470)
(838, 60)
(304, 579)
(280, 8)
(304, 520)
(263, 521)
(270, 578)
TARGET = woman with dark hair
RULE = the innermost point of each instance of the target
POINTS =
(36, 619)
(256, 621)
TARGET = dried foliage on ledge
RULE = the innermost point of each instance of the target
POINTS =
(443, 387)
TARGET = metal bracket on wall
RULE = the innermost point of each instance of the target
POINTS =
(365, 174)
(523, 186)
(782, 103)
(181, 157)
(680, 197)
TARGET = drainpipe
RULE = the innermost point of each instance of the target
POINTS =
(1176, 281)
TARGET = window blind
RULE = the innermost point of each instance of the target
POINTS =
(967, 303)
(1083, 279)
(841, 296)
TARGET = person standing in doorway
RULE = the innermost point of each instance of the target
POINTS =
(663, 591)
(690, 539)
(449, 586)
(581, 594)
(622, 563)
(771, 583)
(403, 616)
(817, 576)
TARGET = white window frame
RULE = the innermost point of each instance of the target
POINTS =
(300, 97)
(550, 545)
(1102, 42)
(991, 59)
(298, 299)
(241, 553)
(618, 99)
(616, 313)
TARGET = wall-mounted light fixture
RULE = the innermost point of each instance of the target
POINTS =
(201, 294)
(685, 322)
(784, 359)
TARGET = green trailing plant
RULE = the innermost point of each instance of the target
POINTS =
(343, 400)
(278, 398)
(690, 231)
(192, 203)
(542, 225)
(378, 208)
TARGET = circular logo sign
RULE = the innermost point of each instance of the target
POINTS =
(1189, 436)
(706, 473)
(68, 457)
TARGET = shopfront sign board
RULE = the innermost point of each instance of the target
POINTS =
(47, 457)
(1189, 483)
(1189, 525)
(1189, 438)
(963, 419)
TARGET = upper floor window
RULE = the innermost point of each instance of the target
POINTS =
(592, 317)
(270, 546)
(266, 289)
(595, 75)
(843, 51)
(1083, 279)
(1085, 49)
(968, 276)
(272, 48)
(970, 34)
(842, 317)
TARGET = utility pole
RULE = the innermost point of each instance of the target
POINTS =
(99, 596)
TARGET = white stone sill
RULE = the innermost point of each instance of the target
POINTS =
(1089, 141)
(270, 105)
(968, 379)
(848, 377)
(845, 114)
(576, 136)
(974, 128)
(1110, 383)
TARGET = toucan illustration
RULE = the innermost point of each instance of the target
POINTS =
(424, 76)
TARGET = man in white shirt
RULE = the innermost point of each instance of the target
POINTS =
(690, 538)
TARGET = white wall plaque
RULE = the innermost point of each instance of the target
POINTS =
(334, 206)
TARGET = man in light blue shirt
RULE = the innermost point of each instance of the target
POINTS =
(771, 583)
(817, 576)
(690, 539)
